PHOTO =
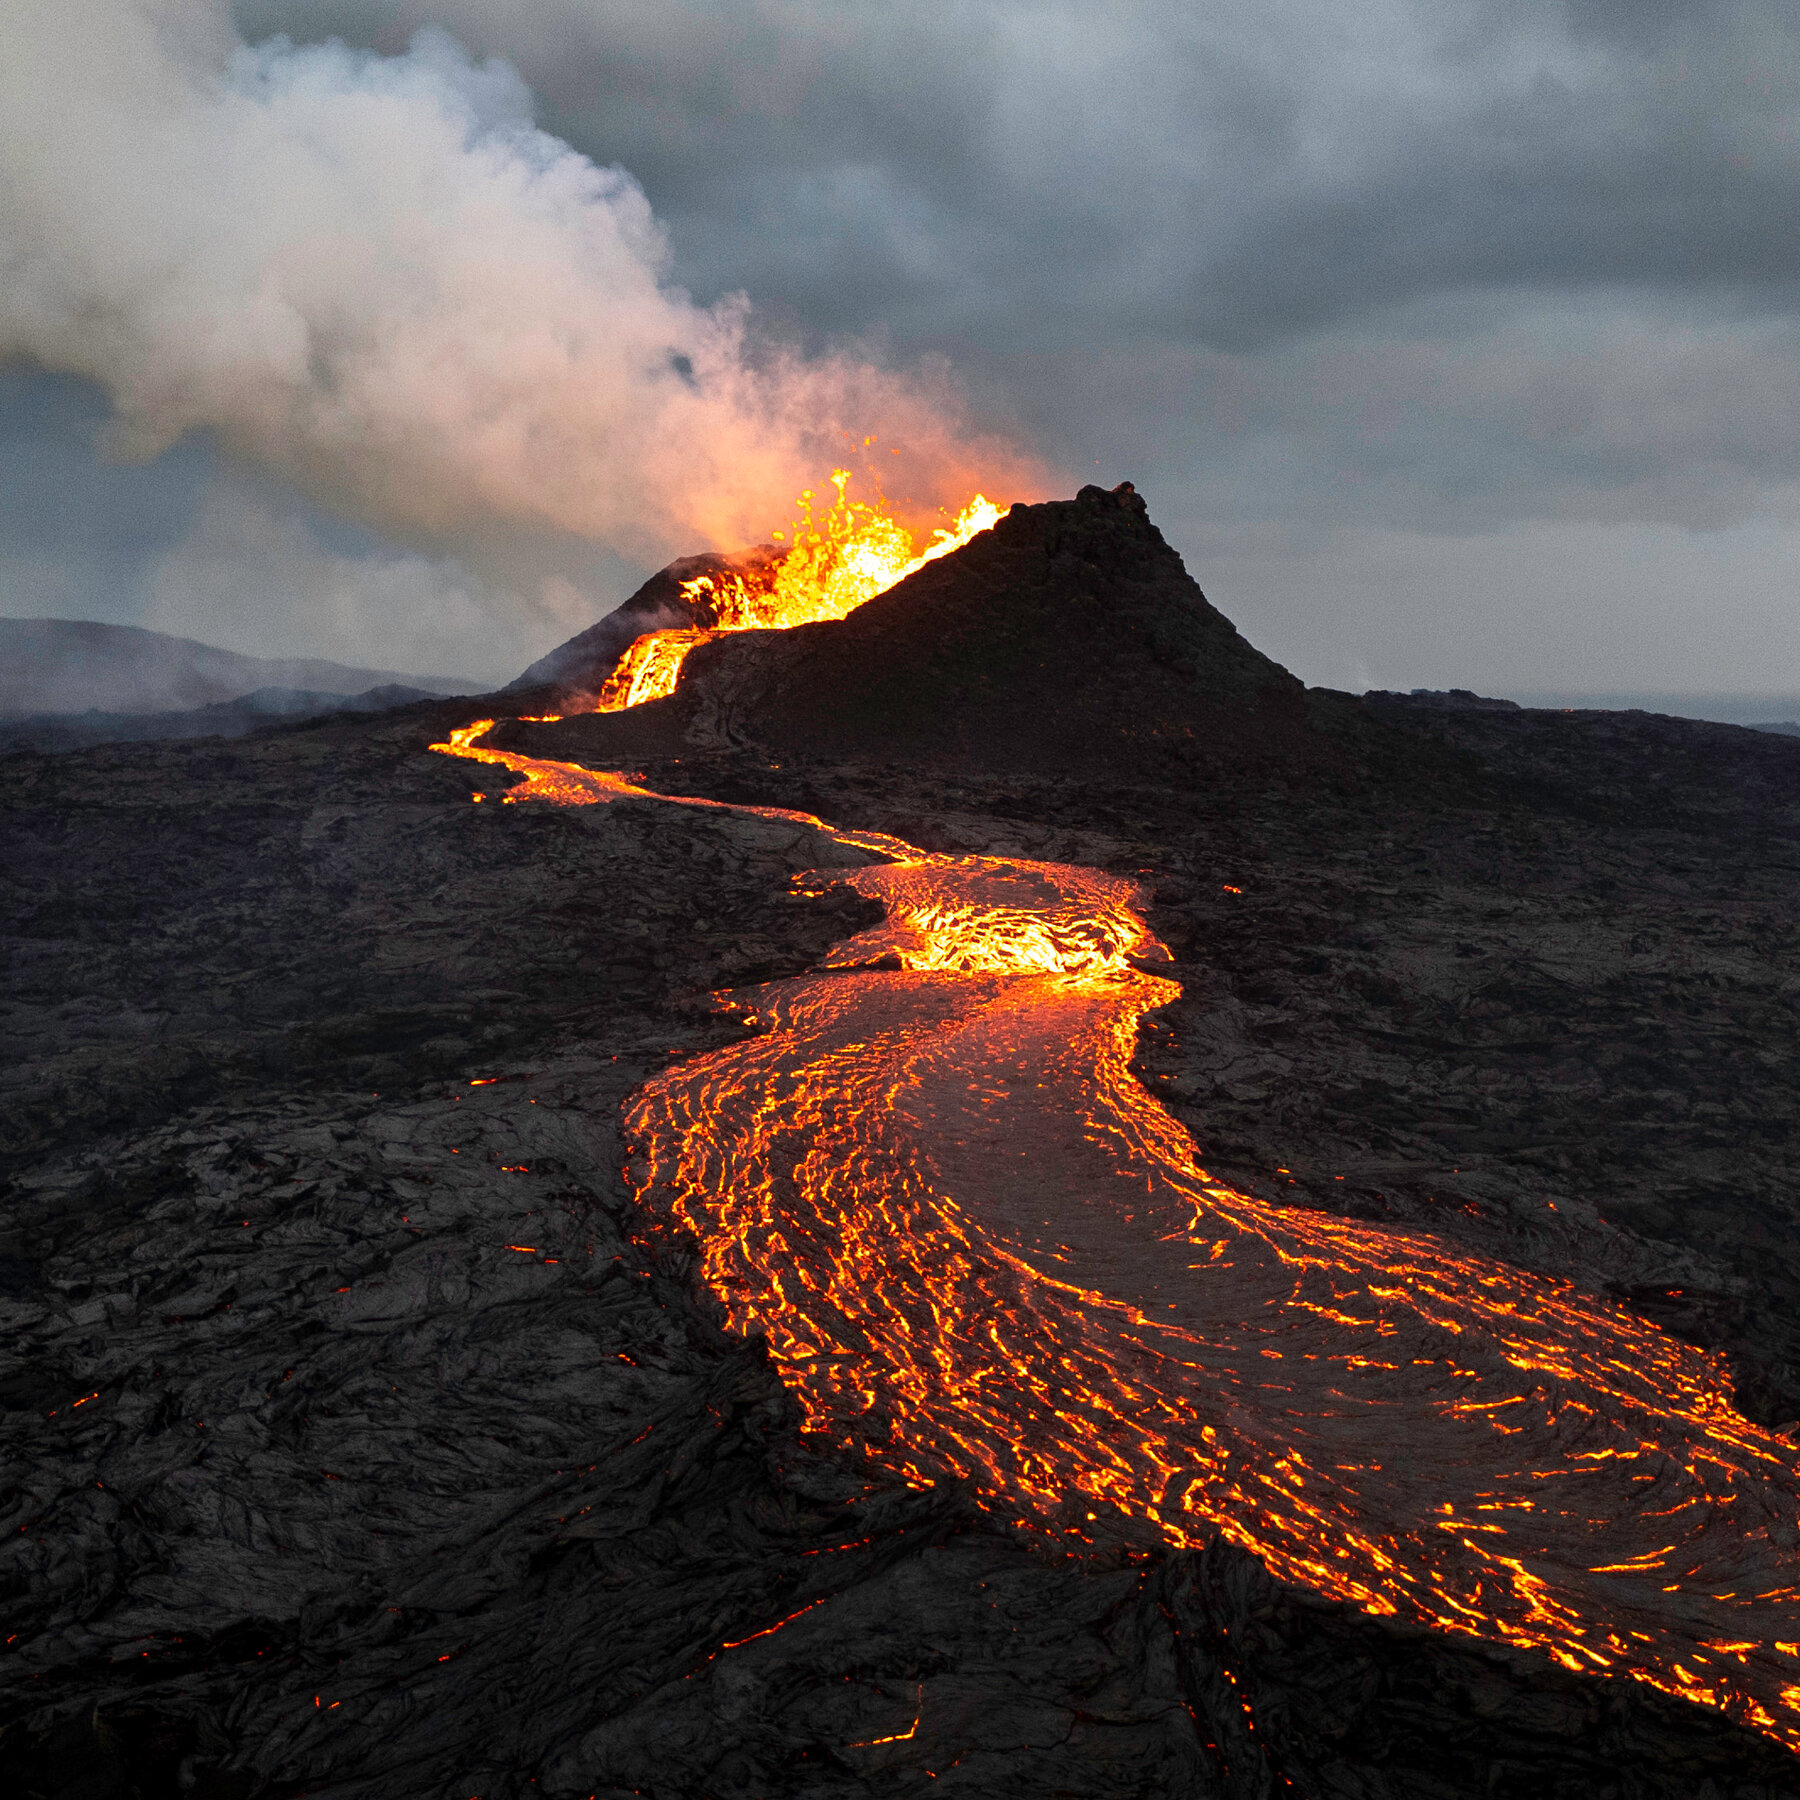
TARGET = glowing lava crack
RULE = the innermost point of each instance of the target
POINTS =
(978, 1246)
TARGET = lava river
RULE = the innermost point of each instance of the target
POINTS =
(977, 1245)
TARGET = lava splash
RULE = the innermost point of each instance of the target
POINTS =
(833, 564)
(978, 1247)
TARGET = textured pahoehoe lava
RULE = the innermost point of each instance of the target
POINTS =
(978, 1247)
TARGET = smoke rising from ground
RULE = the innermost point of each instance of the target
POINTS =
(373, 276)
(253, 570)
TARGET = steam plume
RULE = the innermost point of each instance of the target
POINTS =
(375, 277)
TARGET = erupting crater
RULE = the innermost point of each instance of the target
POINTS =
(834, 564)
(978, 1247)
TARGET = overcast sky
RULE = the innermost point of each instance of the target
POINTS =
(1452, 343)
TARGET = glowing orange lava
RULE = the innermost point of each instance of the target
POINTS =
(977, 1246)
(834, 564)
(648, 670)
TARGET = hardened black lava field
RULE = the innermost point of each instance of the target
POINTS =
(470, 1269)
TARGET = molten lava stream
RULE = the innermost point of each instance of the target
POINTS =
(978, 1246)
(649, 669)
(834, 564)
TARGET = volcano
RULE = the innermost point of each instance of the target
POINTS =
(1067, 639)
(989, 1193)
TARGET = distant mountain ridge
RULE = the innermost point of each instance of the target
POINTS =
(228, 718)
(1462, 700)
(52, 666)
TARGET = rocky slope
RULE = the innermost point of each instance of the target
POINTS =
(1068, 638)
(361, 1439)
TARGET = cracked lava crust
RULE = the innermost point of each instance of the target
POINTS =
(977, 1245)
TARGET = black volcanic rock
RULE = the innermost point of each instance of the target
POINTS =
(318, 1481)
(1068, 637)
(1445, 699)
(363, 1438)
(584, 662)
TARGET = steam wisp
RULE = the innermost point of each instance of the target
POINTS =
(374, 276)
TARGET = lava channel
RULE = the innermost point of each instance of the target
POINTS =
(978, 1247)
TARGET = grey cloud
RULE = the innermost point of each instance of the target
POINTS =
(76, 530)
(1434, 268)
(1613, 409)
(1211, 211)
(371, 275)
(1234, 177)
(1572, 607)
(257, 572)
(52, 482)
(1626, 410)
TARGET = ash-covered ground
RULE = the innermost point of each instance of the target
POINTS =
(362, 1440)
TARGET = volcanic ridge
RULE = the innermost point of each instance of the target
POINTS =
(1069, 639)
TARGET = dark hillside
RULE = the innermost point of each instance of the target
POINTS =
(1068, 639)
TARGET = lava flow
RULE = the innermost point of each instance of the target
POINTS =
(832, 566)
(978, 1247)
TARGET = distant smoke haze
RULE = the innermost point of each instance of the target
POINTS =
(373, 277)
(65, 666)
(255, 573)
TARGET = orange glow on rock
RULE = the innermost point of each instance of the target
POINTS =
(649, 669)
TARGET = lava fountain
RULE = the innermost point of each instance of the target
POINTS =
(833, 564)
(978, 1247)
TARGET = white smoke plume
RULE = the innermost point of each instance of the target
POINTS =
(376, 278)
